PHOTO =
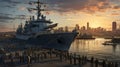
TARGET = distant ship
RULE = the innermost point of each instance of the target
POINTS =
(40, 33)
(115, 40)
(84, 36)
(109, 43)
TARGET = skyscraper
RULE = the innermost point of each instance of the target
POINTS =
(114, 26)
(87, 25)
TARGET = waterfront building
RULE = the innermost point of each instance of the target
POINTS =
(88, 26)
(114, 26)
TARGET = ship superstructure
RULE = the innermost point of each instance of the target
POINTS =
(39, 32)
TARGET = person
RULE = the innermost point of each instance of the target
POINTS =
(96, 62)
(92, 59)
(104, 63)
(79, 60)
(28, 60)
(2, 60)
(116, 64)
(21, 59)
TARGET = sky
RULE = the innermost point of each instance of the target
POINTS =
(99, 13)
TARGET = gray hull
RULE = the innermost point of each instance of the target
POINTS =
(59, 41)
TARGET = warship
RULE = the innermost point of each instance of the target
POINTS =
(40, 32)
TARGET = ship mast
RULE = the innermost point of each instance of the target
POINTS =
(38, 9)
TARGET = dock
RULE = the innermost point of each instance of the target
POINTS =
(52, 58)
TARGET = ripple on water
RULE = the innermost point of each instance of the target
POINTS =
(96, 49)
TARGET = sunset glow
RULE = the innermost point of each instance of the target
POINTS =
(99, 13)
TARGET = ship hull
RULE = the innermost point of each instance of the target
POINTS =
(59, 41)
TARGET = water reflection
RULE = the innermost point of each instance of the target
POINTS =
(95, 48)
(114, 48)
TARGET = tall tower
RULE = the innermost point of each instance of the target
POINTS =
(88, 26)
(114, 26)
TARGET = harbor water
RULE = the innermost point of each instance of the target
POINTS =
(96, 49)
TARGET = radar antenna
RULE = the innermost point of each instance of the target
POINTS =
(38, 8)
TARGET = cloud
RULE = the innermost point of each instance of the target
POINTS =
(91, 6)
(8, 17)
(116, 7)
(11, 1)
(5, 14)
(3, 21)
(5, 18)
(115, 14)
(2, 26)
(22, 8)
(9, 6)
(21, 17)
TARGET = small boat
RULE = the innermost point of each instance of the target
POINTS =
(85, 36)
(115, 40)
(109, 43)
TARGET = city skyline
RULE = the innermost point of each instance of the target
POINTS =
(114, 26)
(99, 13)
